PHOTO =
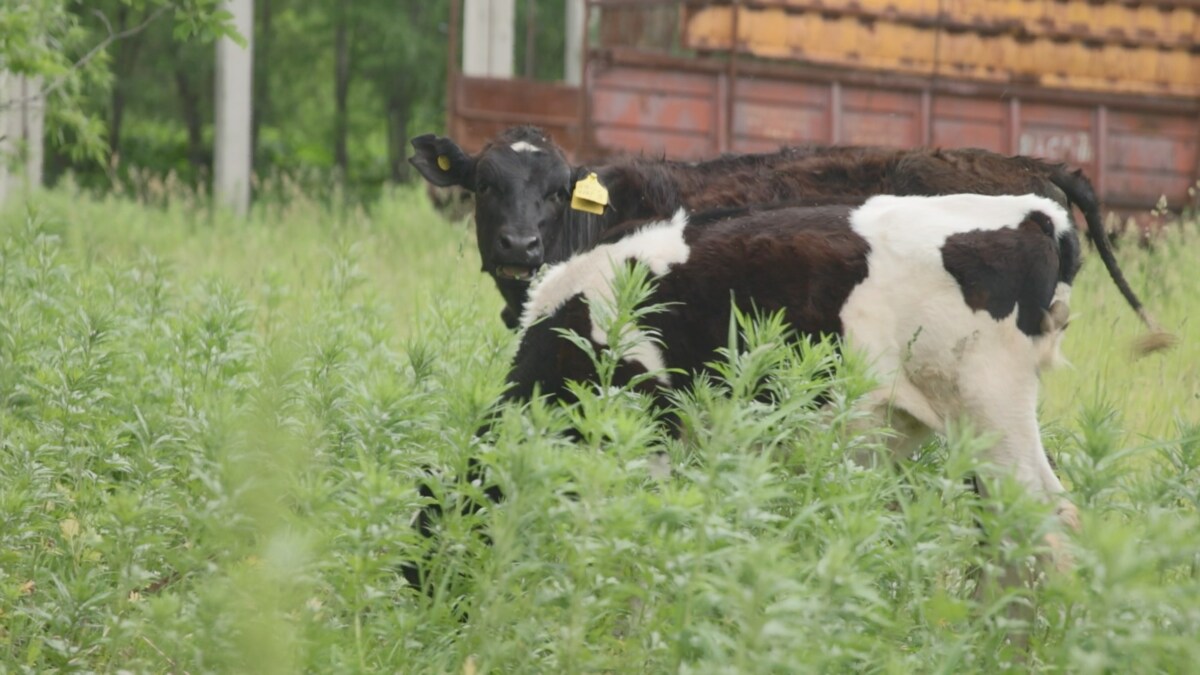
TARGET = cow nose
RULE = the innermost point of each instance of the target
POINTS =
(529, 246)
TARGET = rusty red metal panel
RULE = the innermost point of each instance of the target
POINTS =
(783, 113)
(884, 129)
(485, 106)
(958, 133)
(675, 81)
(676, 111)
(779, 124)
(1161, 154)
(1133, 148)
(965, 121)
(788, 93)
(880, 117)
(654, 111)
(1150, 154)
(1140, 190)
(654, 143)
(1059, 132)
(861, 99)
(1181, 125)
(518, 96)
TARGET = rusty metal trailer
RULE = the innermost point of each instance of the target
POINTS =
(1112, 87)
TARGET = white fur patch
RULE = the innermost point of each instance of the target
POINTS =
(936, 358)
(924, 223)
(657, 245)
(523, 146)
(1049, 345)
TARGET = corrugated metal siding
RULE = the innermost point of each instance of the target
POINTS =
(661, 113)
(483, 107)
(1134, 155)
(660, 101)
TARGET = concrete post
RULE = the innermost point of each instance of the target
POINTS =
(572, 52)
(488, 38)
(22, 122)
(232, 151)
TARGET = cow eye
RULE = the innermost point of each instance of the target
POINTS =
(557, 196)
(483, 189)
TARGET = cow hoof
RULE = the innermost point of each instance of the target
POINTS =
(1057, 318)
(1068, 515)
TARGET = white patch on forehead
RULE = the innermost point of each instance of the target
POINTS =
(524, 146)
(658, 245)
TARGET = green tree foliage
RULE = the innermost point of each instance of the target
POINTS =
(339, 88)
(79, 49)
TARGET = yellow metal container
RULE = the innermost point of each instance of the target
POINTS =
(1145, 48)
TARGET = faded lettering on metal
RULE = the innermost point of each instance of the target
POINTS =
(1067, 146)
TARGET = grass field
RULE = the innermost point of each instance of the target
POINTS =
(210, 433)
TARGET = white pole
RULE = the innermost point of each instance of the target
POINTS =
(488, 38)
(572, 52)
(232, 151)
(34, 119)
(22, 120)
(8, 140)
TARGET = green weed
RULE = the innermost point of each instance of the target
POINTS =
(211, 432)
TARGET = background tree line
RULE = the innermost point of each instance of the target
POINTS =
(339, 87)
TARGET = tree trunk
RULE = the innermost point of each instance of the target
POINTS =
(124, 61)
(116, 116)
(341, 86)
(189, 102)
(262, 63)
(116, 111)
(397, 132)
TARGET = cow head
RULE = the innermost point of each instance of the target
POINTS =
(521, 181)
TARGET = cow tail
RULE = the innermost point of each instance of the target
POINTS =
(1079, 191)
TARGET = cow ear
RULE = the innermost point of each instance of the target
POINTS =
(442, 162)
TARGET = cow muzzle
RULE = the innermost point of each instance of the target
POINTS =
(518, 257)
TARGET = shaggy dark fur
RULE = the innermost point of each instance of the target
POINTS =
(642, 189)
(803, 261)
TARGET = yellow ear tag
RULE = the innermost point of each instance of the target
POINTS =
(590, 195)
(443, 162)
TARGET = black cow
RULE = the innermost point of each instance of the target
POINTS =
(523, 188)
(957, 303)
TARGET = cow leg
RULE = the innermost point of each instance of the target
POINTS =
(425, 520)
(1019, 453)
(890, 426)
(1001, 397)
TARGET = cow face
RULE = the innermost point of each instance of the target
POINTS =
(521, 182)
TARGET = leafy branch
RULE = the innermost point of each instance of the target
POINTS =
(39, 37)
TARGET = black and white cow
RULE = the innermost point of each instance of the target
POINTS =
(957, 303)
(523, 184)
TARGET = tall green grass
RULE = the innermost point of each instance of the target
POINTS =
(211, 432)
